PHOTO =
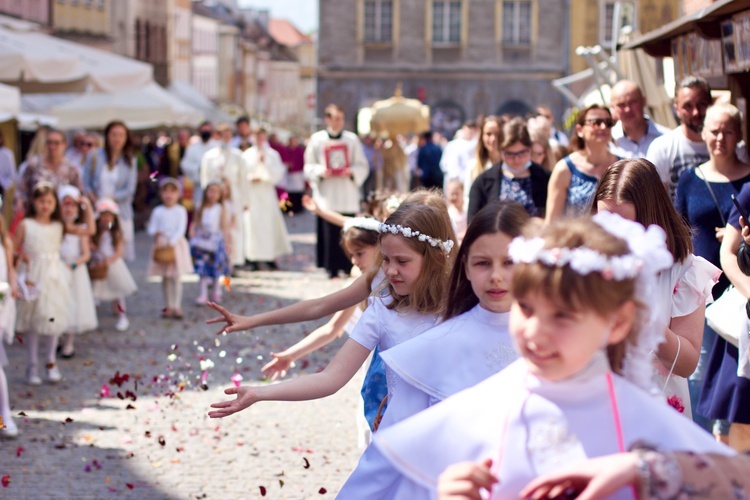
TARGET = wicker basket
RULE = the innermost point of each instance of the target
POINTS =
(164, 255)
(98, 271)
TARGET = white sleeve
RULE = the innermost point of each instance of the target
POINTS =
(181, 226)
(658, 154)
(153, 222)
(367, 331)
(313, 169)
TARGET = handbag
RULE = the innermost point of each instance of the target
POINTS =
(164, 255)
(97, 270)
(727, 316)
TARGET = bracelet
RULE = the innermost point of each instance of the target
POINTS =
(643, 470)
(659, 474)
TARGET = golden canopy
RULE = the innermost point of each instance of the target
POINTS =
(399, 115)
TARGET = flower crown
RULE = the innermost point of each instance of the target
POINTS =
(582, 260)
(366, 223)
(407, 232)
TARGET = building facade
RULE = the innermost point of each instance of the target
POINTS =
(139, 29)
(37, 11)
(180, 43)
(205, 52)
(86, 22)
(450, 54)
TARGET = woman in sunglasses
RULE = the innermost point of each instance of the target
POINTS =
(515, 177)
(575, 177)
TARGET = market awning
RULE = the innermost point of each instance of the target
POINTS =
(37, 62)
(658, 43)
(187, 93)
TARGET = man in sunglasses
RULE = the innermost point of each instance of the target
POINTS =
(77, 152)
(335, 168)
(634, 131)
(683, 148)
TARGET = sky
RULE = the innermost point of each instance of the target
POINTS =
(303, 13)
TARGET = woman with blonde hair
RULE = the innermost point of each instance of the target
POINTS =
(488, 149)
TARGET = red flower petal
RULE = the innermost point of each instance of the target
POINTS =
(307, 463)
(262, 490)
(322, 491)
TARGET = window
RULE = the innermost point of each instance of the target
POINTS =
(516, 27)
(446, 21)
(378, 21)
(607, 12)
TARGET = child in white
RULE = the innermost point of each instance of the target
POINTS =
(9, 292)
(470, 344)
(575, 322)
(46, 312)
(167, 225)
(208, 236)
(108, 247)
(454, 193)
(76, 252)
(416, 249)
(234, 237)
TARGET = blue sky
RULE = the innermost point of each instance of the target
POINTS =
(303, 13)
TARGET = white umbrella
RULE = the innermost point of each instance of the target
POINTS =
(146, 107)
(37, 62)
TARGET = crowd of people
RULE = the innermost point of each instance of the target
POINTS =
(532, 302)
(521, 301)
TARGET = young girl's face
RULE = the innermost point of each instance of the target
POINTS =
(70, 209)
(363, 256)
(455, 193)
(489, 269)
(169, 195)
(106, 219)
(401, 264)
(556, 342)
(625, 210)
(44, 205)
(213, 194)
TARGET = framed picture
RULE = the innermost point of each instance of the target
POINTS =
(728, 44)
(337, 158)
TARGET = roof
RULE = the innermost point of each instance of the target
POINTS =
(657, 43)
(284, 32)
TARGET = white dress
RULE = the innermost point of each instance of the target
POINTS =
(685, 287)
(455, 355)
(529, 427)
(50, 312)
(83, 310)
(7, 309)
(118, 283)
(264, 231)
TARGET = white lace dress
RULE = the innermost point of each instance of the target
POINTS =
(83, 310)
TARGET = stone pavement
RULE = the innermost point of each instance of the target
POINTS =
(129, 418)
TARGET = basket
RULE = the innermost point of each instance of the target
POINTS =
(98, 271)
(164, 255)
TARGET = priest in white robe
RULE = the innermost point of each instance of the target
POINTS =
(225, 162)
(265, 235)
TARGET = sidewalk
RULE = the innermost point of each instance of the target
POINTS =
(155, 440)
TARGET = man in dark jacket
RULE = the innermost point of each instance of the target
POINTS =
(428, 163)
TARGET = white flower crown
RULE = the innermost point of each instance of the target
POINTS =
(366, 223)
(581, 260)
(407, 232)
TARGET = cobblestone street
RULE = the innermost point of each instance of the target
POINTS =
(151, 438)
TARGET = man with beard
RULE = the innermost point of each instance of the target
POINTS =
(683, 148)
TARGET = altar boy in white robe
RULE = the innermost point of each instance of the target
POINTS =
(265, 235)
(225, 162)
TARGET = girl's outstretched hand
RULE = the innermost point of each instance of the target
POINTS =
(466, 480)
(233, 322)
(278, 366)
(246, 396)
(593, 479)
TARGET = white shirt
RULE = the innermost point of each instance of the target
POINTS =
(170, 221)
(625, 147)
(673, 153)
(456, 158)
(340, 194)
(191, 162)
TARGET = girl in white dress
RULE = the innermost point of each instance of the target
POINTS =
(8, 293)
(633, 189)
(76, 253)
(168, 225)
(470, 344)
(208, 242)
(585, 317)
(46, 308)
(108, 247)
(416, 246)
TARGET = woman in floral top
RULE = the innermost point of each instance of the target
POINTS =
(52, 167)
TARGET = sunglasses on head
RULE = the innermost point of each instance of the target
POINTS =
(598, 122)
